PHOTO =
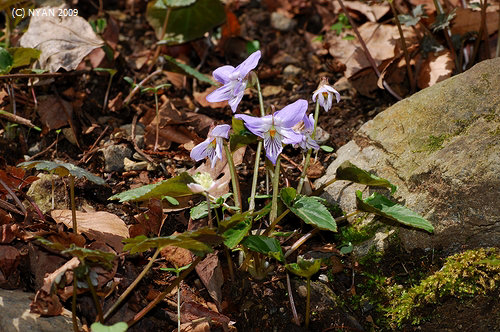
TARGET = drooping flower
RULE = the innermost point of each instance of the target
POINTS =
(204, 183)
(306, 129)
(325, 93)
(212, 146)
(276, 129)
(234, 81)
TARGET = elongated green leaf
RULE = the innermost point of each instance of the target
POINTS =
(264, 245)
(304, 267)
(174, 187)
(381, 205)
(199, 211)
(185, 23)
(309, 209)
(61, 169)
(351, 172)
(235, 234)
(188, 70)
(199, 242)
(6, 61)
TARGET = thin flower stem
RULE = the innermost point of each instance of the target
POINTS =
(261, 100)
(309, 152)
(94, 297)
(73, 304)
(308, 301)
(234, 177)
(106, 96)
(73, 205)
(163, 294)
(274, 201)
(268, 231)
(292, 302)
(131, 286)
(209, 210)
(255, 176)
(229, 263)
(157, 134)
(323, 186)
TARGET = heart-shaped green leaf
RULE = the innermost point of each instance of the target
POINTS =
(61, 169)
(350, 172)
(304, 267)
(264, 245)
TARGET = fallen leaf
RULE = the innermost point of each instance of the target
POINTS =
(177, 256)
(468, 20)
(101, 225)
(381, 39)
(149, 222)
(192, 310)
(9, 261)
(54, 112)
(436, 68)
(373, 11)
(210, 273)
(8, 232)
(64, 41)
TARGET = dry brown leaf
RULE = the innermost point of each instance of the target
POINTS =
(382, 40)
(467, 20)
(177, 256)
(149, 222)
(210, 273)
(101, 225)
(64, 41)
(436, 68)
(54, 112)
(8, 232)
(192, 310)
(200, 97)
(195, 327)
(373, 11)
(9, 261)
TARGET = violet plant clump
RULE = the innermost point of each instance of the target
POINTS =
(291, 125)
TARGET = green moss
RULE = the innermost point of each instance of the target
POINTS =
(357, 232)
(436, 142)
(464, 275)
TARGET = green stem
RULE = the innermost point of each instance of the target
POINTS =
(163, 294)
(309, 152)
(178, 303)
(73, 205)
(308, 301)
(255, 176)
(275, 222)
(274, 202)
(132, 286)
(157, 122)
(95, 298)
(234, 177)
(261, 100)
(73, 304)
(209, 210)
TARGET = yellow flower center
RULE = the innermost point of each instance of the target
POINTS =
(272, 132)
(325, 94)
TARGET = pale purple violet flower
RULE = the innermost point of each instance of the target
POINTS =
(325, 94)
(234, 81)
(212, 146)
(306, 130)
(276, 129)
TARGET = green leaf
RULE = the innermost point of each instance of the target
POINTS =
(199, 211)
(61, 169)
(23, 56)
(185, 23)
(171, 200)
(118, 327)
(264, 245)
(309, 209)
(304, 267)
(110, 71)
(253, 46)
(350, 172)
(6, 61)
(235, 234)
(382, 206)
(326, 148)
(199, 242)
(188, 70)
(174, 187)
(179, 3)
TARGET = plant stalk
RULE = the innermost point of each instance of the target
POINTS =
(308, 301)
(73, 205)
(234, 177)
(131, 286)
(73, 304)
(163, 294)
(309, 152)
(255, 176)
(106, 96)
(95, 298)
(274, 201)
(157, 134)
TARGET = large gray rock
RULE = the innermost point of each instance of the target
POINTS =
(441, 147)
(15, 315)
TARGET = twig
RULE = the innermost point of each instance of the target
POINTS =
(87, 155)
(139, 85)
(14, 197)
(367, 52)
(292, 303)
(18, 119)
(46, 149)
(43, 75)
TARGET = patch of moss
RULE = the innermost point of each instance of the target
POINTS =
(436, 142)
(464, 275)
(357, 232)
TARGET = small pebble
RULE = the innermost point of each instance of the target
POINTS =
(302, 290)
